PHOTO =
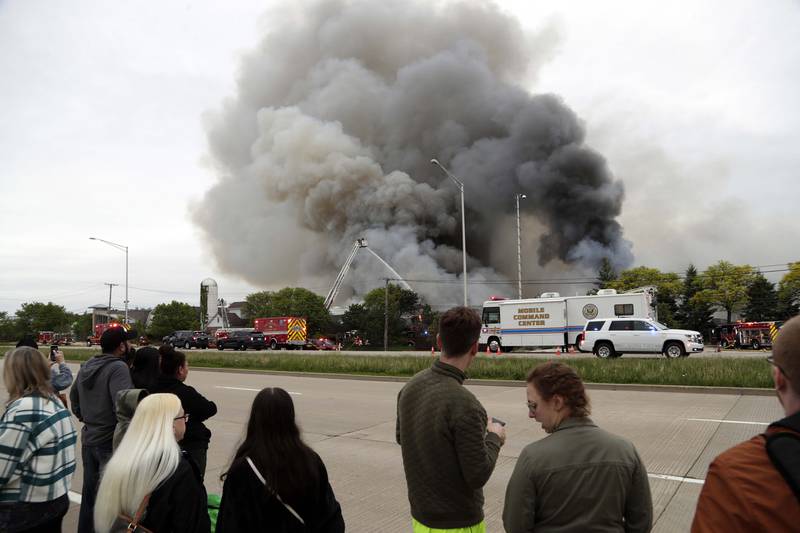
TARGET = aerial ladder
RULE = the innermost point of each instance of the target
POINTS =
(337, 284)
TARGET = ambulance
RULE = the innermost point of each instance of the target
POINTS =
(553, 320)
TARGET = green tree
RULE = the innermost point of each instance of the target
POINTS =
(354, 318)
(725, 285)
(36, 316)
(403, 304)
(694, 314)
(668, 286)
(172, 317)
(82, 325)
(290, 301)
(762, 300)
(9, 328)
(789, 292)
(605, 276)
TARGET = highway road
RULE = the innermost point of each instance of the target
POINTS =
(351, 425)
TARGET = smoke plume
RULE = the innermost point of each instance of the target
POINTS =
(338, 113)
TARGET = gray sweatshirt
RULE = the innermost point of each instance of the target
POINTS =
(94, 394)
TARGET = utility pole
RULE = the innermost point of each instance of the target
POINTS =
(110, 288)
(519, 249)
(386, 317)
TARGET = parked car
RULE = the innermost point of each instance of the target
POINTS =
(187, 339)
(242, 340)
(611, 337)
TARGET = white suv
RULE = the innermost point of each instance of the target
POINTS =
(611, 337)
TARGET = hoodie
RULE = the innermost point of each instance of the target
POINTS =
(127, 402)
(93, 397)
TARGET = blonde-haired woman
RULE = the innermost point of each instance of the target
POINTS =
(37, 447)
(149, 464)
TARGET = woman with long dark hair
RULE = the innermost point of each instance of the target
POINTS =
(276, 482)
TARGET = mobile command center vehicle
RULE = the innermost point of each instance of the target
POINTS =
(555, 320)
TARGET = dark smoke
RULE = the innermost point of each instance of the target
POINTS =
(340, 110)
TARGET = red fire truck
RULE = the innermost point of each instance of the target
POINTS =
(288, 332)
(755, 335)
(51, 337)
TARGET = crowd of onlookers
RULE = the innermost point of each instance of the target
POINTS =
(144, 447)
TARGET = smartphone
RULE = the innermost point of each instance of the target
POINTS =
(498, 421)
(53, 350)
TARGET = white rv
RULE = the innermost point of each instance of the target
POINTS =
(555, 320)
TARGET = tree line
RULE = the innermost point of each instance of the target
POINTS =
(687, 301)
(690, 301)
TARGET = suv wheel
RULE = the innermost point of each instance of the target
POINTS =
(673, 350)
(220, 346)
(604, 350)
(186, 345)
(273, 344)
(242, 347)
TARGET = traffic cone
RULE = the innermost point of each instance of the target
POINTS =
(433, 352)
(558, 350)
(719, 346)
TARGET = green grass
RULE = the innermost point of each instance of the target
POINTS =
(728, 372)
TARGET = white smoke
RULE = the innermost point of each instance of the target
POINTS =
(330, 136)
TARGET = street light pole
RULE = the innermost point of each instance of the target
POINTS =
(519, 250)
(124, 249)
(460, 185)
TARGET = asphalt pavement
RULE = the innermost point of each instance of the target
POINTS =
(350, 423)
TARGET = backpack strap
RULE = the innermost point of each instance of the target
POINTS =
(278, 496)
(783, 449)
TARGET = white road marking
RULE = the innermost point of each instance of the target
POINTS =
(253, 390)
(677, 478)
(728, 421)
(75, 497)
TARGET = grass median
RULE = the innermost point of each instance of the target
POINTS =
(708, 372)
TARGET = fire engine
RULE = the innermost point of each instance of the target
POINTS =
(555, 320)
(50, 337)
(288, 332)
(98, 332)
(45, 337)
(755, 335)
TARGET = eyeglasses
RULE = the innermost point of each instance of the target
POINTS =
(185, 417)
(532, 406)
(771, 360)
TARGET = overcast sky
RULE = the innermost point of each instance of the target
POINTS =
(101, 133)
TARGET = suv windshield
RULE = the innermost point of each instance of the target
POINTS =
(659, 325)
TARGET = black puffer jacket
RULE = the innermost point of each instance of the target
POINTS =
(198, 408)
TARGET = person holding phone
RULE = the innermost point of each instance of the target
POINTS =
(60, 374)
(449, 444)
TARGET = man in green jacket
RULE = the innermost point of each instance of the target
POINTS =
(449, 446)
(579, 477)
